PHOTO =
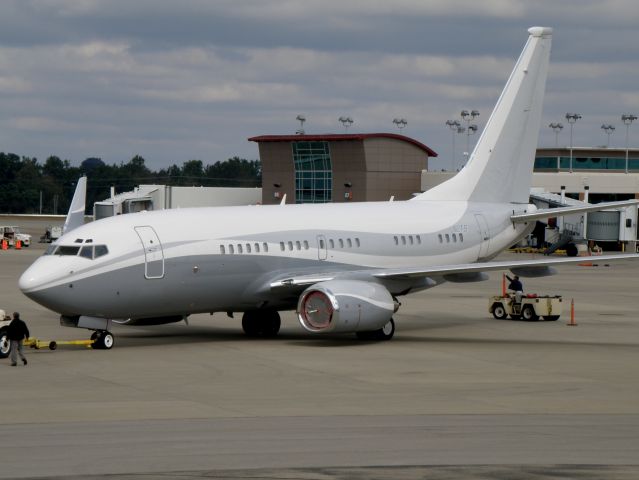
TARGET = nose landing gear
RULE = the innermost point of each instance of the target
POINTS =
(102, 340)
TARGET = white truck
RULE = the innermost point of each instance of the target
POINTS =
(11, 234)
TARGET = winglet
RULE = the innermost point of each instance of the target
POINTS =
(75, 217)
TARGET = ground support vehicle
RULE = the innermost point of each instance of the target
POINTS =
(531, 308)
(12, 234)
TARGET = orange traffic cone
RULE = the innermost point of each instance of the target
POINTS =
(5, 245)
(18, 245)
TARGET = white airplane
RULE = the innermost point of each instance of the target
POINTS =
(342, 266)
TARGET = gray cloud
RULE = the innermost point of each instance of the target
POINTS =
(194, 79)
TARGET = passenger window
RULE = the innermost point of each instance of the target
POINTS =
(403, 240)
(349, 242)
(222, 250)
(419, 240)
(410, 239)
(239, 248)
(357, 242)
(305, 244)
(257, 247)
(331, 243)
(87, 252)
(298, 244)
(231, 249)
(265, 245)
(248, 248)
(290, 245)
(440, 238)
(461, 237)
(100, 251)
(396, 240)
(341, 243)
(282, 246)
(321, 243)
(447, 238)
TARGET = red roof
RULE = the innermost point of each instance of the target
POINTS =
(335, 137)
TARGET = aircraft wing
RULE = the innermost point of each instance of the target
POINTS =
(461, 272)
(558, 212)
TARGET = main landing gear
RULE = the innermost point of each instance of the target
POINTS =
(102, 340)
(261, 323)
(384, 333)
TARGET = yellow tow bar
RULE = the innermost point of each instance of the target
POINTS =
(53, 344)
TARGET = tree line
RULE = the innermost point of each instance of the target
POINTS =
(28, 186)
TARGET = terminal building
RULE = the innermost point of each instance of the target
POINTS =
(341, 167)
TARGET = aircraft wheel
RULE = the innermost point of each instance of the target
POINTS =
(103, 341)
(261, 323)
(499, 312)
(5, 344)
(528, 314)
(385, 333)
(271, 324)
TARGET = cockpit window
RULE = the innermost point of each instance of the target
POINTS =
(67, 250)
(87, 252)
(78, 240)
(100, 250)
(50, 249)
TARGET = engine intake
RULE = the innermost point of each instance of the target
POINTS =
(345, 306)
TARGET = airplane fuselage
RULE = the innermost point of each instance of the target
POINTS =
(225, 259)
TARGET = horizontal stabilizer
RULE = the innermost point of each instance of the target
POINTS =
(558, 212)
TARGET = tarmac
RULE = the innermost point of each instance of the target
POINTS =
(456, 394)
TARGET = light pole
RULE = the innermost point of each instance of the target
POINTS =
(557, 128)
(608, 129)
(346, 122)
(572, 118)
(627, 119)
(400, 123)
(470, 129)
(300, 118)
(454, 126)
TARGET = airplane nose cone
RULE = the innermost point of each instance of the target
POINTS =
(27, 281)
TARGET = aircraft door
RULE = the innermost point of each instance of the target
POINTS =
(484, 235)
(153, 254)
(321, 247)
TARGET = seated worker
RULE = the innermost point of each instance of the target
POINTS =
(516, 287)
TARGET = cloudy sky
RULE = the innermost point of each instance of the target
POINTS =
(193, 79)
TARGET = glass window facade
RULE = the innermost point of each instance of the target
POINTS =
(586, 163)
(313, 172)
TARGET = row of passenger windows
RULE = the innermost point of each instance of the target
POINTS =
(341, 243)
(244, 248)
(447, 237)
(417, 239)
(332, 244)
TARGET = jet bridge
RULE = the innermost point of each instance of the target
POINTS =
(615, 225)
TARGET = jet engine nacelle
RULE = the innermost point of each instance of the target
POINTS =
(345, 306)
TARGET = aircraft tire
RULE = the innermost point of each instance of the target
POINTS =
(271, 324)
(385, 333)
(261, 323)
(103, 341)
(5, 344)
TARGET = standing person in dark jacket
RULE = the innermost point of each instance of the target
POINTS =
(17, 332)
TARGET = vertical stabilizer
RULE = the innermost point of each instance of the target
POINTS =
(75, 217)
(500, 167)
